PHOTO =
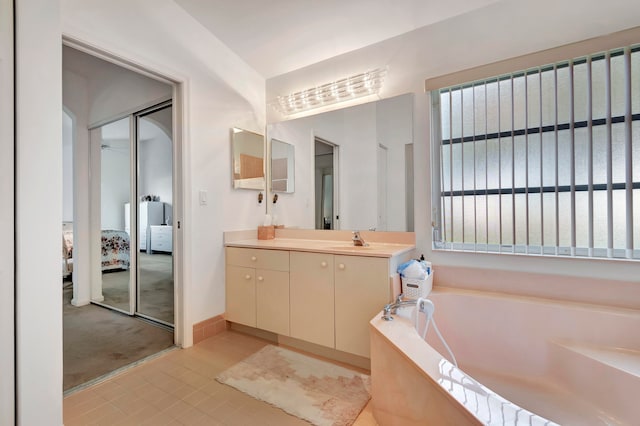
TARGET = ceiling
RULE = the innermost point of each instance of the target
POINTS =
(278, 36)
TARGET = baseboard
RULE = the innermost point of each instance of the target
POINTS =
(208, 328)
(255, 332)
(307, 347)
(326, 352)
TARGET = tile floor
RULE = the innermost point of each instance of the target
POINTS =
(179, 388)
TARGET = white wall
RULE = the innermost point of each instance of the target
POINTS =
(220, 92)
(7, 329)
(114, 183)
(155, 168)
(394, 119)
(504, 29)
(75, 100)
(67, 167)
(499, 31)
(156, 157)
(39, 212)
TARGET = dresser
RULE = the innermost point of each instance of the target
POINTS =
(151, 213)
(162, 238)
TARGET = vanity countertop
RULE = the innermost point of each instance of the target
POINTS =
(375, 249)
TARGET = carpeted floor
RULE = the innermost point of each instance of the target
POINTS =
(97, 341)
(156, 287)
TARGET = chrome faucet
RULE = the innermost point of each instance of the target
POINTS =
(358, 240)
(391, 308)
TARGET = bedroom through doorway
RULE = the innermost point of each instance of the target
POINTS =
(132, 162)
(118, 235)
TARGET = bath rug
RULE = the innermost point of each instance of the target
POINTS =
(317, 391)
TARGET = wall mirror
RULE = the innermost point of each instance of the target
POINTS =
(247, 164)
(282, 166)
(367, 180)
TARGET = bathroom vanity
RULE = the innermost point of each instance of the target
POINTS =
(313, 286)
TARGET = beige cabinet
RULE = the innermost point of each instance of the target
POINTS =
(312, 297)
(361, 290)
(241, 295)
(322, 298)
(272, 301)
(257, 288)
(334, 297)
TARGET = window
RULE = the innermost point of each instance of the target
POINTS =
(541, 161)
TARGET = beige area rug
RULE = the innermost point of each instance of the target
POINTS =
(317, 391)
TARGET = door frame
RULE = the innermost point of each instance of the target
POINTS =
(336, 178)
(178, 102)
(7, 216)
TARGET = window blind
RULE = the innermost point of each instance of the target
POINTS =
(541, 161)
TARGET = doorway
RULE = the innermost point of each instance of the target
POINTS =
(121, 208)
(326, 177)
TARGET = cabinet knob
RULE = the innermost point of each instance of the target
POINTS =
(341, 266)
(323, 264)
(253, 258)
(260, 278)
(247, 277)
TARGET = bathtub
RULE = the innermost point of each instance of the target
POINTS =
(521, 360)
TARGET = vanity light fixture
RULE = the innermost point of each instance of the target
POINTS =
(356, 86)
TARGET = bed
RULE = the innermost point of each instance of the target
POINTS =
(115, 250)
(67, 249)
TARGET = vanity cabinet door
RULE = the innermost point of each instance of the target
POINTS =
(272, 301)
(241, 295)
(312, 295)
(361, 290)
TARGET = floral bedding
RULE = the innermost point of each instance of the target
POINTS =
(115, 249)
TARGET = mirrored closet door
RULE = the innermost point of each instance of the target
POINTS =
(112, 238)
(155, 260)
(135, 235)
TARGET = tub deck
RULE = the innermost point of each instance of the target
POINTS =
(413, 385)
(555, 362)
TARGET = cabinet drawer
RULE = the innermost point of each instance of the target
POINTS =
(161, 245)
(160, 235)
(276, 260)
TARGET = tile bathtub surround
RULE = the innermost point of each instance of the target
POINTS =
(179, 388)
(208, 328)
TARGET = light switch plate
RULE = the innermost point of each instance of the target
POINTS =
(203, 197)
